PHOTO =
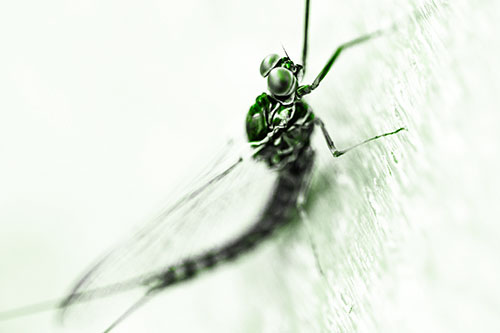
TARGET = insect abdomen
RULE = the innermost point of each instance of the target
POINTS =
(278, 211)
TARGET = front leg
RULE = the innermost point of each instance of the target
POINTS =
(308, 88)
(269, 137)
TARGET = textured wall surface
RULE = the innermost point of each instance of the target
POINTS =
(105, 105)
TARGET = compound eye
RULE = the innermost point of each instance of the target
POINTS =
(281, 82)
(268, 64)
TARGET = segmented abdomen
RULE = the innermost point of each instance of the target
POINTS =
(279, 211)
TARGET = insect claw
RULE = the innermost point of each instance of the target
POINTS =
(338, 153)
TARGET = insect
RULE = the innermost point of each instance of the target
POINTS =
(279, 127)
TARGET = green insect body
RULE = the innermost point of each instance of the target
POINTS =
(284, 129)
(280, 123)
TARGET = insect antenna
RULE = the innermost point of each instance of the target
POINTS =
(285, 51)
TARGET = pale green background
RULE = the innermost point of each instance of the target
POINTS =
(105, 104)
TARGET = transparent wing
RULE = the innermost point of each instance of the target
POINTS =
(225, 202)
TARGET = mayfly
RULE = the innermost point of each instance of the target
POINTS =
(279, 126)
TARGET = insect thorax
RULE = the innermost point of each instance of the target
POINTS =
(284, 130)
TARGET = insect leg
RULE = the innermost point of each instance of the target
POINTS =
(335, 152)
(306, 221)
(306, 33)
(301, 201)
(306, 89)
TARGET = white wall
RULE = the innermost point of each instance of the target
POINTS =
(105, 105)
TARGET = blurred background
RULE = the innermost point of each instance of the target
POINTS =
(105, 106)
